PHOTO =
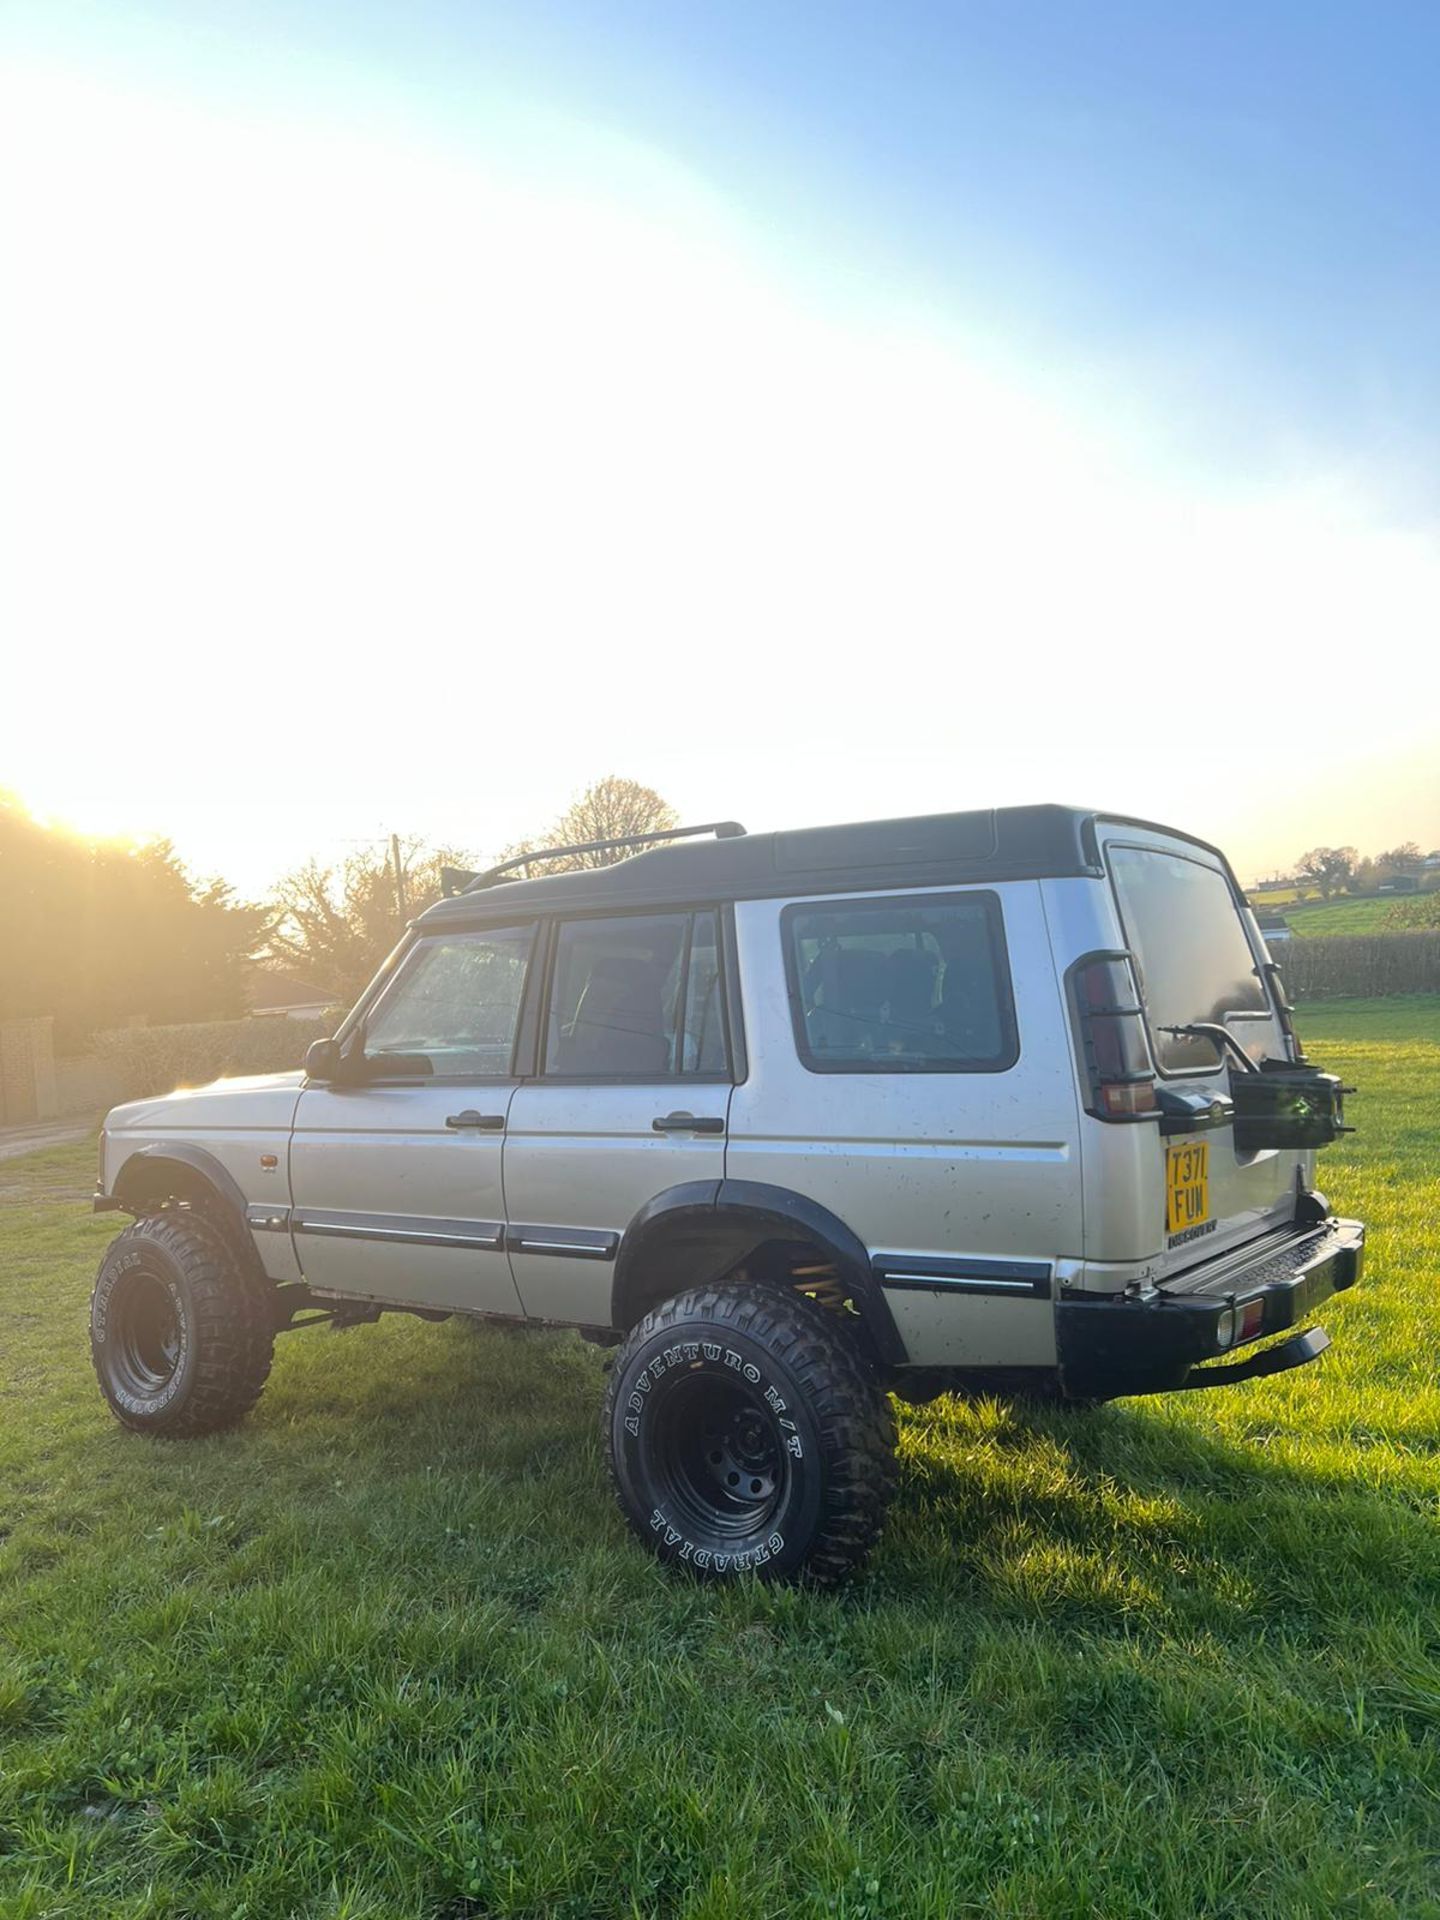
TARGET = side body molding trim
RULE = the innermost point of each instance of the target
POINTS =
(969, 1273)
(572, 1243)
(402, 1229)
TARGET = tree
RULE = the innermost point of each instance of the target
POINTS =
(335, 925)
(1406, 858)
(1328, 868)
(99, 932)
(609, 810)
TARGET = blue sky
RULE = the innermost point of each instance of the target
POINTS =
(1191, 250)
(1246, 198)
(1228, 212)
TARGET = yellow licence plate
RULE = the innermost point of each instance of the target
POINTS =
(1187, 1185)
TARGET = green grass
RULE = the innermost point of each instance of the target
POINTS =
(1343, 916)
(386, 1650)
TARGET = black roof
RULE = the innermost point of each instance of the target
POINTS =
(936, 849)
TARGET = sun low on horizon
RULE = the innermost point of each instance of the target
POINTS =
(94, 818)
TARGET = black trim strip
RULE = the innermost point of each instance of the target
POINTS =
(575, 1243)
(923, 1273)
(405, 1229)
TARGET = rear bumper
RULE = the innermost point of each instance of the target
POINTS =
(1123, 1345)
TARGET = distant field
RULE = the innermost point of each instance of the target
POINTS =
(1271, 896)
(386, 1652)
(1339, 916)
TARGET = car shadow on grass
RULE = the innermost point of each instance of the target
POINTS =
(1127, 1515)
(479, 1459)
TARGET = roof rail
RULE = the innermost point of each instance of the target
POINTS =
(454, 880)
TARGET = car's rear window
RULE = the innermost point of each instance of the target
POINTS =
(1183, 926)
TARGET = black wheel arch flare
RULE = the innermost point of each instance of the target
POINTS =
(692, 1234)
(176, 1170)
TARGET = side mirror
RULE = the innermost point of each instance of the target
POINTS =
(322, 1060)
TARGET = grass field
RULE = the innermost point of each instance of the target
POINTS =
(387, 1651)
(1341, 916)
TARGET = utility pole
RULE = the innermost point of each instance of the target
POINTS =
(399, 875)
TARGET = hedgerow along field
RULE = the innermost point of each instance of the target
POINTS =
(386, 1649)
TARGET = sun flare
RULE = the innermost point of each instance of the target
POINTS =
(89, 815)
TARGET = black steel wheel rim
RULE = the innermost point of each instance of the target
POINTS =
(144, 1344)
(717, 1449)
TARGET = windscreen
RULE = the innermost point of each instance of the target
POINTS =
(1183, 927)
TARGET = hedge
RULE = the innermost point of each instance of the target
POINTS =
(147, 1060)
(1366, 965)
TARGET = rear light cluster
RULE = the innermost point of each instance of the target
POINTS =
(1111, 1031)
(1236, 1324)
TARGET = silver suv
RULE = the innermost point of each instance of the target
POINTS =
(1005, 1101)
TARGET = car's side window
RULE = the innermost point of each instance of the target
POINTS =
(454, 1006)
(619, 989)
(915, 985)
(703, 1039)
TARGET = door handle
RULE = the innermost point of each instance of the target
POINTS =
(687, 1123)
(479, 1122)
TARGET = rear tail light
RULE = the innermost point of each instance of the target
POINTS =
(1127, 1099)
(1111, 1033)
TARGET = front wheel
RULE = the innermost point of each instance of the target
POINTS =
(181, 1328)
(746, 1435)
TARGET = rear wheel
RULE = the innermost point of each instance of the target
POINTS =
(746, 1434)
(181, 1326)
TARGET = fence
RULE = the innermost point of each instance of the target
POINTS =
(1365, 965)
(27, 1070)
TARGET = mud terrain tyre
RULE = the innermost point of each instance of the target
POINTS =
(181, 1326)
(746, 1435)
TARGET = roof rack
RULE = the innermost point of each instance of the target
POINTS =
(456, 880)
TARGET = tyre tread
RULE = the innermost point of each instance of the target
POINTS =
(852, 1411)
(233, 1327)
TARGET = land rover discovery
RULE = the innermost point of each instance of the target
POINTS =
(1002, 1101)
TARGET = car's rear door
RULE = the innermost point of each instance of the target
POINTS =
(396, 1180)
(631, 1096)
(1199, 961)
